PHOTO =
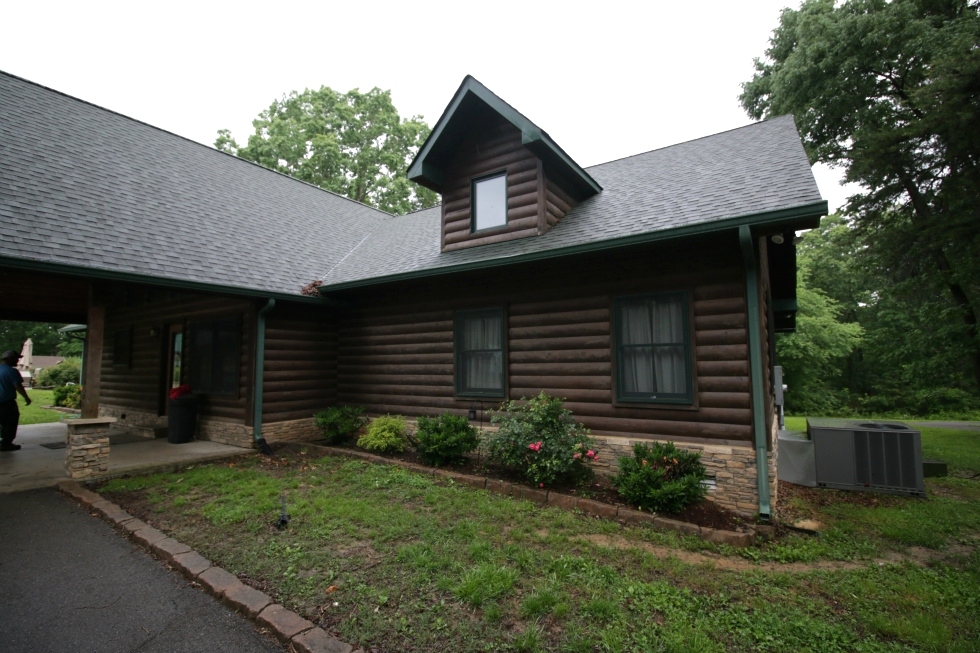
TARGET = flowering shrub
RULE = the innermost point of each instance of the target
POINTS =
(69, 396)
(540, 439)
(661, 478)
(443, 440)
(340, 422)
(385, 435)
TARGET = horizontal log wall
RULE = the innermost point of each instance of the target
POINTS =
(497, 147)
(148, 314)
(300, 374)
(768, 345)
(396, 346)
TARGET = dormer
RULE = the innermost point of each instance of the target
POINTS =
(501, 177)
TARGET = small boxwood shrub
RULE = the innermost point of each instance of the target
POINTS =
(340, 422)
(540, 439)
(69, 396)
(386, 434)
(65, 372)
(660, 478)
(443, 440)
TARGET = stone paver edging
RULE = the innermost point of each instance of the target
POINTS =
(287, 626)
(550, 498)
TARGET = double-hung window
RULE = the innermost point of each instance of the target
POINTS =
(480, 353)
(215, 356)
(488, 202)
(653, 349)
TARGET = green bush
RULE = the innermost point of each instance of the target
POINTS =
(661, 478)
(65, 372)
(340, 422)
(385, 435)
(540, 439)
(443, 440)
(69, 396)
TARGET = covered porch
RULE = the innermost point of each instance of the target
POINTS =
(40, 463)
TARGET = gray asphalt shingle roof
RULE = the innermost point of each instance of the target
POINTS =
(754, 169)
(83, 186)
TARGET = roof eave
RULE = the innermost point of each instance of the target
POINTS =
(133, 277)
(532, 137)
(803, 216)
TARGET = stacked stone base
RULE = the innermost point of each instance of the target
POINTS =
(732, 467)
(87, 451)
(213, 430)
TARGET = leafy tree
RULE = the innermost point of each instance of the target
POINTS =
(890, 91)
(912, 357)
(354, 144)
(813, 357)
(47, 341)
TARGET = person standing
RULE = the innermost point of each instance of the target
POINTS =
(11, 383)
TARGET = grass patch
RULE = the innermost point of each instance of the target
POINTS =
(35, 414)
(394, 560)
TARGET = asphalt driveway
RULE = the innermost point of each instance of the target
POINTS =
(69, 583)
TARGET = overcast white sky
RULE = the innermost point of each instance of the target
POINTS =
(605, 79)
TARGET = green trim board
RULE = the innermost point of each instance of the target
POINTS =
(462, 352)
(427, 170)
(806, 216)
(682, 398)
(133, 277)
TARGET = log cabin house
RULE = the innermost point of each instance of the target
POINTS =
(645, 291)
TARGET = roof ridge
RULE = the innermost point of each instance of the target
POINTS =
(694, 140)
(190, 140)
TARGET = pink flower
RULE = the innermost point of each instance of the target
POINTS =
(576, 456)
(540, 484)
(590, 453)
(534, 447)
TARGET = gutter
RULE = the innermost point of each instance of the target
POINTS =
(259, 376)
(755, 369)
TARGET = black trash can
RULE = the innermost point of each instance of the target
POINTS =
(181, 419)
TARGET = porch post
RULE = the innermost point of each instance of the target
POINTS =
(94, 339)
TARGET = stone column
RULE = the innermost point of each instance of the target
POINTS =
(87, 453)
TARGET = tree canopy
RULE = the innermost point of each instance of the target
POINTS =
(890, 91)
(354, 144)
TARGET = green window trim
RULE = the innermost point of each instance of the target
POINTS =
(480, 353)
(653, 361)
(475, 184)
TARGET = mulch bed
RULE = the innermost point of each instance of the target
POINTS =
(705, 513)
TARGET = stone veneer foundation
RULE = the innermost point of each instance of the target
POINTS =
(212, 430)
(732, 467)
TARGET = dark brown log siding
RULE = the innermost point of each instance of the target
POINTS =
(148, 313)
(765, 309)
(396, 344)
(300, 375)
(498, 147)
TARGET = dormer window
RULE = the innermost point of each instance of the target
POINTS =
(489, 202)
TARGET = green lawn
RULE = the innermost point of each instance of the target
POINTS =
(395, 560)
(35, 414)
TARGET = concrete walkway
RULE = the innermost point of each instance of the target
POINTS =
(71, 584)
(35, 466)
